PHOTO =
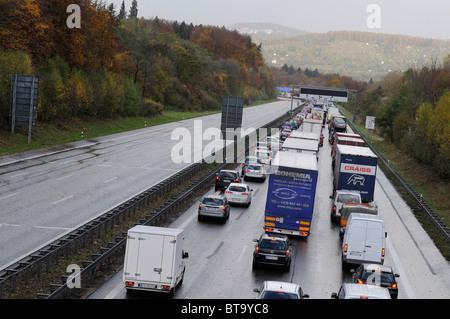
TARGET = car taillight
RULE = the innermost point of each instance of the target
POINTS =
(256, 250)
(236, 180)
(245, 194)
(200, 206)
(393, 286)
(345, 248)
(361, 282)
(166, 287)
(261, 172)
(383, 251)
(129, 283)
(288, 253)
(229, 192)
(247, 170)
(334, 208)
(217, 178)
(223, 208)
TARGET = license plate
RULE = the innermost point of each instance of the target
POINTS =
(271, 258)
(152, 286)
(355, 253)
(227, 180)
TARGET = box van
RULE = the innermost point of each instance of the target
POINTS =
(154, 259)
(364, 240)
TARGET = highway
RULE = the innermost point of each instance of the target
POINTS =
(47, 193)
(220, 255)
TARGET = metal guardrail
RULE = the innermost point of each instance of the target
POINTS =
(437, 221)
(43, 259)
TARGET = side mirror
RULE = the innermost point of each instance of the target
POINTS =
(385, 234)
(305, 296)
(255, 240)
(333, 295)
(185, 255)
(255, 290)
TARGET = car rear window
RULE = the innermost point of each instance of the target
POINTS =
(255, 167)
(348, 198)
(273, 244)
(377, 276)
(212, 201)
(227, 175)
(237, 189)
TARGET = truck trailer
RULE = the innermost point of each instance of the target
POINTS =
(355, 169)
(291, 194)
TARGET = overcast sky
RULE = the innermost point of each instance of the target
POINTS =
(423, 18)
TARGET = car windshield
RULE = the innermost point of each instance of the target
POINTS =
(227, 175)
(240, 189)
(348, 198)
(273, 244)
(212, 201)
(278, 295)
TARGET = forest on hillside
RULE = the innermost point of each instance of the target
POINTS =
(360, 55)
(117, 64)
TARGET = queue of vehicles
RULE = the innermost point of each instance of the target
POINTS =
(293, 174)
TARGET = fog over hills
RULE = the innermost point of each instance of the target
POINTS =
(361, 55)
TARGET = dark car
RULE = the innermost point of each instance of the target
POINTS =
(285, 134)
(225, 177)
(378, 275)
(273, 249)
(339, 125)
(216, 206)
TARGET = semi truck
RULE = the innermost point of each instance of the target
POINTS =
(291, 194)
(355, 169)
(154, 259)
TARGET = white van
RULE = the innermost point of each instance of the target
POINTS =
(358, 291)
(364, 240)
(154, 259)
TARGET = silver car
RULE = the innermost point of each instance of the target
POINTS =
(255, 171)
(216, 206)
(239, 193)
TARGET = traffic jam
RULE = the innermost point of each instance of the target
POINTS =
(289, 163)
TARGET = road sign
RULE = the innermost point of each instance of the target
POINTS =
(232, 109)
(331, 94)
(24, 97)
(370, 122)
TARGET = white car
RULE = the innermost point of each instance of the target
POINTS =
(239, 193)
(264, 155)
(255, 171)
(280, 290)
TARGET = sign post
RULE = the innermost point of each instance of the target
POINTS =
(24, 97)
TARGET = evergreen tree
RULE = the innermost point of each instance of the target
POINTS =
(133, 10)
(122, 12)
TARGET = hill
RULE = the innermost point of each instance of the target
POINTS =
(361, 55)
(263, 31)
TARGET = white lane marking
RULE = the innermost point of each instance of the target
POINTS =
(17, 175)
(64, 177)
(10, 225)
(242, 253)
(51, 227)
(10, 195)
(61, 200)
(111, 179)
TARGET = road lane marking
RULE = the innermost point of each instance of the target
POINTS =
(64, 177)
(10, 195)
(61, 200)
(52, 227)
(17, 175)
(10, 225)
(111, 179)
(242, 253)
